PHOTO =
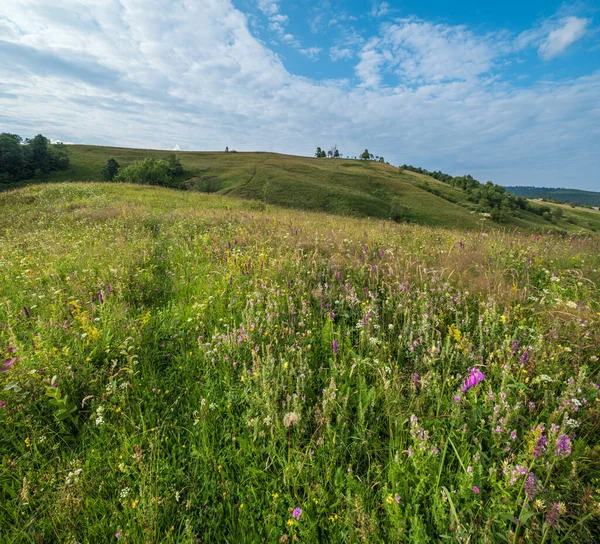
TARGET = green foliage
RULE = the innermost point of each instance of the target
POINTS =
(152, 171)
(181, 367)
(37, 156)
(109, 170)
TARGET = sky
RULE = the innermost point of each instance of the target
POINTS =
(506, 91)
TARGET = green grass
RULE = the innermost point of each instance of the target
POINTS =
(183, 367)
(343, 187)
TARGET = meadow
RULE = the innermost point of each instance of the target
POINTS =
(185, 367)
(336, 186)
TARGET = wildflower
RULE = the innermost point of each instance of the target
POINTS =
(291, 522)
(541, 442)
(290, 419)
(335, 346)
(26, 312)
(563, 446)
(531, 486)
(100, 297)
(476, 490)
(456, 398)
(416, 379)
(554, 513)
(297, 513)
(473, 379)
(524, 358)
(7, 364)
(2, 404)
(397, 499)
(118, 535)
(389, 499)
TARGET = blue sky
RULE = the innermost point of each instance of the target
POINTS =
(507, 91)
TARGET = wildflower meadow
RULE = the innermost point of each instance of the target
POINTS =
(184, 368)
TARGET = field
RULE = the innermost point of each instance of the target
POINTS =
(186, 367)
(341, 187)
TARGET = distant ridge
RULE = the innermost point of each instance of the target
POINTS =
(575, 196)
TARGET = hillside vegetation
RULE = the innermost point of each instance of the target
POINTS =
(338, 186)
(180, 367)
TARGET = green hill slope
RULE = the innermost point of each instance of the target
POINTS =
(342, 186)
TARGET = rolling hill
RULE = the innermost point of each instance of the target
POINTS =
(576, 196)
(337, 186)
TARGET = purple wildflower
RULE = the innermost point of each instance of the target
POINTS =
(397, 498)
(335, 346)
(563, 446)
(416, 379)
(297, 513)
(2, 404)
(541, 442)
(456, 398)
(524, 358)
(100, 297)
(552, 516)
(118, 535)
(26, 312)
(531, 486)
(473, 379)
(7, 364)
(476, 490)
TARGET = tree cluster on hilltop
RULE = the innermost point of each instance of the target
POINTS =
(333, 153)
(25, 159)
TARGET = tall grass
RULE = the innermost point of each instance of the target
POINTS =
(184, 368)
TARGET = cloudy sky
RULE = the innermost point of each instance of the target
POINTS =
(508, 92)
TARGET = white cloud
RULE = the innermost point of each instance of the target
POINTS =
(337, 53)
(380, 9)
(311, 52)
(436, 52)
(572, 29)
(100, 73)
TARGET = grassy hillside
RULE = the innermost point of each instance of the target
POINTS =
(181, 367)
(583, 198)
(344, 187)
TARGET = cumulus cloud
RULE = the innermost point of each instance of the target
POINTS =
(571, 30)
(100, 73)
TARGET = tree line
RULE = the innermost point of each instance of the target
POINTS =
(489, 197)
(22, 159)
(334, 153)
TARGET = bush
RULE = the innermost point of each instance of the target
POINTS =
(152, 171)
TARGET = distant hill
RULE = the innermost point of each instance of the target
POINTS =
(337, 186)
(583, 198)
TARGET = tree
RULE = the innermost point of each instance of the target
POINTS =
(11, 157)
(381, 159)
(37, 155)
(330, 154)
(365, 155)
(318, 152)
(58, 157)
(148, 171)
(174, 165)
(227, 150)
(110, 170)
(336, 154)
